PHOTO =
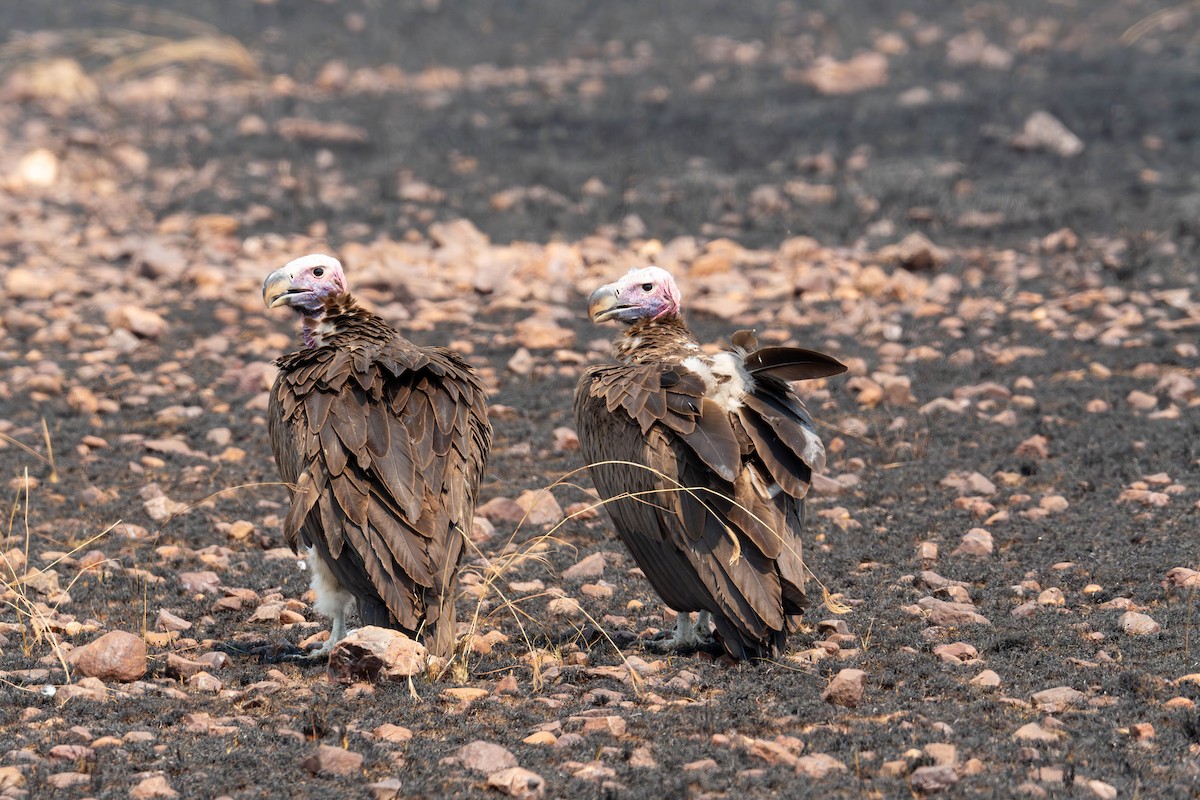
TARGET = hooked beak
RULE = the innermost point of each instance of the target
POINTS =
(602, 305)
(278, 289)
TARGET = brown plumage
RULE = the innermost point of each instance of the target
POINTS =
(385, 443)
(725, 449)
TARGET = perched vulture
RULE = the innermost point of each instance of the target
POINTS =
(704, 461)
(383, 445)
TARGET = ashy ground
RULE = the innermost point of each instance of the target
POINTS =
(989, 212)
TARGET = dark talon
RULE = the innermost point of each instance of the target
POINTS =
(268, 652)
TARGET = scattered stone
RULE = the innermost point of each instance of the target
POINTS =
(564, 607)
(943, 755)
(485, 757)
(540, 507)
(915, 253)
(986, 680)
(518, 782)
(388, 789)
(1052, 597)
(1043, 131)
(167, 621)
(376, 654)
(950, 614)
(589, 567)
(846, 688)
(115, 656)
(1137, 624)
(828, 76)
(537, 333)
(1058, 699)
(139, 321)
(957, 653)
(396, 734)
(65, 780)
(975, 542)
(329, 760)
(1035, 732)
(818, 765)
(1102, 790)
(930, 780)
(151, 787)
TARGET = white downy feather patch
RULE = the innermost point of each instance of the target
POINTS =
(332, 599)
(725, 376)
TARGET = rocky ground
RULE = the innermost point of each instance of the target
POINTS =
(990, 213)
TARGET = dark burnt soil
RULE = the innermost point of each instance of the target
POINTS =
(698, 106)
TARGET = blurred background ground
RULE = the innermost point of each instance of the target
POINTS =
(1018, 432)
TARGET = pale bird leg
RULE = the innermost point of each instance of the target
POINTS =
(332, 600)
(691, 634)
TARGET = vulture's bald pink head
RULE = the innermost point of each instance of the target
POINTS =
(645, 293)
(304, 284)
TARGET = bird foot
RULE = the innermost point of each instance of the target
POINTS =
(268, 652)
(687, 636)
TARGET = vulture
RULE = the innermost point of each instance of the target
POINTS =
(703, 462)
(382, 444)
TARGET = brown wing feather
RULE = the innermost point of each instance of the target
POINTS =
(388, 467)
(697, 549)
(792, 363)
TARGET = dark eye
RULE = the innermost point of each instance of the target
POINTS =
(318, 272)
(647, 287)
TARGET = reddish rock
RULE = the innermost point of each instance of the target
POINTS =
(385, 790)
(541, 508)
(975, 542)
(590, 567)
(942, 612)
(956, 653)
(485, 757)
(167, 621)
(518, 782)
(538, 333)
(987, 679)
(395, 734)
(333, 761)
(1058, 699)
(929, 780)
(376, 654)
(818, 765)
(115, 656)
(1136, 624)
(65, 780)
(152, 787)
(1035, 732)
(846, 688)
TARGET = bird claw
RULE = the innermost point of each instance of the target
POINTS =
(667, 642)
(268, 652)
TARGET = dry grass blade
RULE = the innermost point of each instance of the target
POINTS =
(216, 50)
(183, 42)
(16, 443)
(498, 567)
(36, 623)
(1152, 21)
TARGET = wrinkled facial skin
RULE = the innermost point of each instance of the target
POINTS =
(645, 293)
(304, 284)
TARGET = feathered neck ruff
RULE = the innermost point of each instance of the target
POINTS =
(651, 340)
(334, 312)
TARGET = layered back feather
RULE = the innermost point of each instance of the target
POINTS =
(385, 444)
(725, 452)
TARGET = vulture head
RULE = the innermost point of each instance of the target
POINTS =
(305, 283)
(645, 293)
